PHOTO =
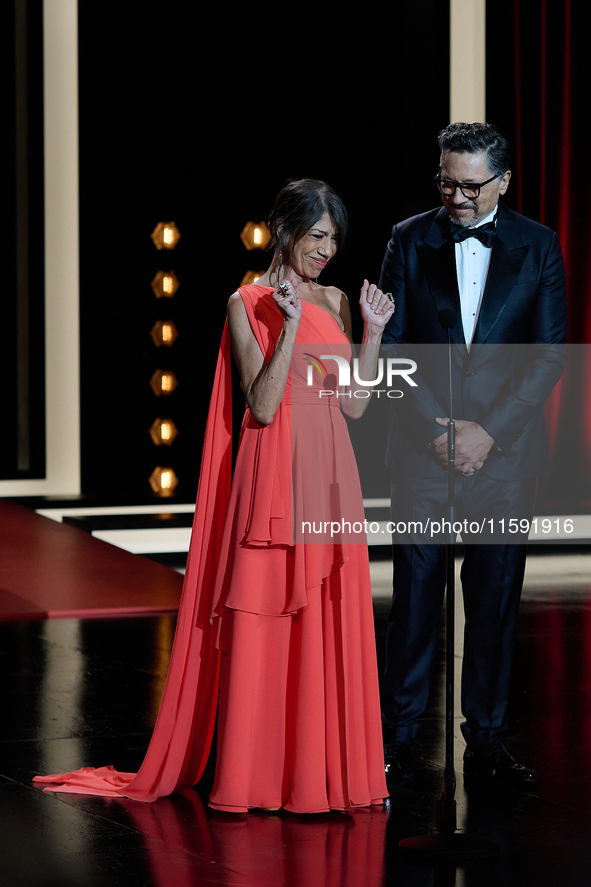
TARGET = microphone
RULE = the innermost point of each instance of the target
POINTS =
(447, 318)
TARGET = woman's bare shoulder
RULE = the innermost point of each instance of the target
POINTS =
(335, 293)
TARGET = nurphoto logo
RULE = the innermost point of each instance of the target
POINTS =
(389, 368)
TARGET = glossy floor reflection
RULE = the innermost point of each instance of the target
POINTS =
(86, 691)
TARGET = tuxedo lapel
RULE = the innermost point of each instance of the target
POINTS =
(437, 259)
(508, 255)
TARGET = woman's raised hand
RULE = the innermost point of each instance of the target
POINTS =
(287, 300)
(376, 307)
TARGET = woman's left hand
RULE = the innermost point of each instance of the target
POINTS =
(376, 307)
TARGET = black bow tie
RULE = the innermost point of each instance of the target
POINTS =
(485, 233)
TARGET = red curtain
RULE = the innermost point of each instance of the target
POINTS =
(538, 88)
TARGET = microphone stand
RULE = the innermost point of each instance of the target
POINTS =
(446, 805)
(448, 844)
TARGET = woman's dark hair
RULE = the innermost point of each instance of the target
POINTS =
(470, 138)
(299, 205)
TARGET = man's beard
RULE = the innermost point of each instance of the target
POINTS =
(466, 223)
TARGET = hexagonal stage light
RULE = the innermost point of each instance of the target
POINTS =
(165, 284)
(255, 235)
(164, 332)
(163, 432)
(163, 382)
(165, 235)
(163, 481)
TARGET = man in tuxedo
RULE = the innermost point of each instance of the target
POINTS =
(496, 281)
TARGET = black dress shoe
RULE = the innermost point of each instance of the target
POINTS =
(399, 762)
(495, 760)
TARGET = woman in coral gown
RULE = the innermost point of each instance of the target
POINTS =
(276, 614)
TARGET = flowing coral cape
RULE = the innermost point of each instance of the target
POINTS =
(181, 741)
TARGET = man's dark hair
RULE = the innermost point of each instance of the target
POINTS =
(299, 205)
(470, 138)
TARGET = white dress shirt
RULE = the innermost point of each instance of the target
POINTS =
(472, 261)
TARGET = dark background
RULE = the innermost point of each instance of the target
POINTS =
(22, 330)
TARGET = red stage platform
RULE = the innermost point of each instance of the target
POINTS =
(49, 569)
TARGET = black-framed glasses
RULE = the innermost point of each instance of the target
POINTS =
(468, 189)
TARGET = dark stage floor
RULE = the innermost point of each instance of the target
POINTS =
(85, 691)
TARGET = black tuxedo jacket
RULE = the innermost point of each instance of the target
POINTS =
(517, 354)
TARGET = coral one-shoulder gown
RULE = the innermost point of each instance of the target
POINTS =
(276, 609)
